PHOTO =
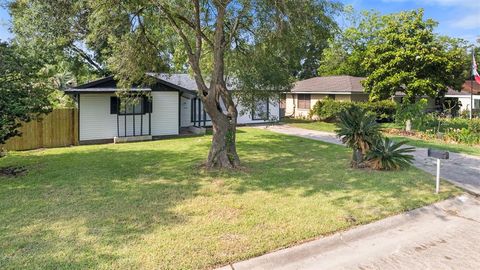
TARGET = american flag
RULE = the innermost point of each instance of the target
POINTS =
(474, 69)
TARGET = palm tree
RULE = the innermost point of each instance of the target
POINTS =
(389, 155)
(358, 130)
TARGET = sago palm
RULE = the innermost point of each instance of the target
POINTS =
(389, 155)
(358, 130)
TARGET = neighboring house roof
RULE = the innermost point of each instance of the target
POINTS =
(330, 84)
(467, 87)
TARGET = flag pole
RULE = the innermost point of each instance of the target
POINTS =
(471, 85)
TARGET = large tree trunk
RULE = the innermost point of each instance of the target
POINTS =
(223, 152)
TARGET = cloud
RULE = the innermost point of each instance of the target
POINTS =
(471, 21)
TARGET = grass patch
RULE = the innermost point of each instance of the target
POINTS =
(439, 144)
(308, 124)
(144, 205)
(330, 127)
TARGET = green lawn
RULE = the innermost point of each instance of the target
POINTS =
(307, 124)
(438, 144)
(145, 205)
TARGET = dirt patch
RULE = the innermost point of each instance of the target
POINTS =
(12, 171)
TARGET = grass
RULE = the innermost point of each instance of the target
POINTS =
(307, 124)
(146, 205)
(438, 144)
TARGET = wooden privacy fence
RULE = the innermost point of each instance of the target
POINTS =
(58, 128)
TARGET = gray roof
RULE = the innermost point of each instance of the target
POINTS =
(180, 79)
(330, 84)
(186, 80)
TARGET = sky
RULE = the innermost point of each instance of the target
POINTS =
(456, 18)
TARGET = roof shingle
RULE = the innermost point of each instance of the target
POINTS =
(337, 84)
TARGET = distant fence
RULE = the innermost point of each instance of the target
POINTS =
(58, 128)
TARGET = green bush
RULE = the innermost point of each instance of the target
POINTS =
(462, 136)
(474, 125)
(414, 112)
(384, 110)
(328, 109)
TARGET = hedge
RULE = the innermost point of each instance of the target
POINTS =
(328, 109)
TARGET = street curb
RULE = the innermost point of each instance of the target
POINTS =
(326, 244)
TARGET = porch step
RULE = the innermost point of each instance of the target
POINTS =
(132, 139)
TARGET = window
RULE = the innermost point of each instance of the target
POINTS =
(476, 104)
(303, 101)
(260, 110)
(121, 106)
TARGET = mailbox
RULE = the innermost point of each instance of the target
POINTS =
(439, 154)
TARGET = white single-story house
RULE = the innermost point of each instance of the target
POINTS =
(468, 95)
(167, 107)
(306, 93)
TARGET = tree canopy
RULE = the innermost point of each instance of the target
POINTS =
(346, 50)
(406, 56)
(23, 95)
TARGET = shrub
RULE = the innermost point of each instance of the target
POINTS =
(359, 131)
(384, 110)
(328, 109)
(474, 125)
(414, 112)
(462, 136)
(389, 155)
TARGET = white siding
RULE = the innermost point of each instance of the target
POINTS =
(96, 122)
(165, 113)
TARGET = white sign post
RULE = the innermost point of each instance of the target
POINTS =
(437, 188)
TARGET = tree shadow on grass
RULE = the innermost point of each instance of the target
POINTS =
(89, 202)
(104, 197)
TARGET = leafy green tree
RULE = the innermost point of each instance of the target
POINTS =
(347, 49)
(47, 28)
(407, 57)
(23, 93)
(260, 46)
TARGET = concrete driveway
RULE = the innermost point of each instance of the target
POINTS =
(440, 236)
(461, 170)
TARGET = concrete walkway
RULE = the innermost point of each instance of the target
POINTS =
(462, 170)
(441, 236)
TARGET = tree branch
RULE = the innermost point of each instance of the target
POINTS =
(87, 58)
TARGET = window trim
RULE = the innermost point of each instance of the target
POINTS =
(268, 111)
(304, 100)
(143, 102)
